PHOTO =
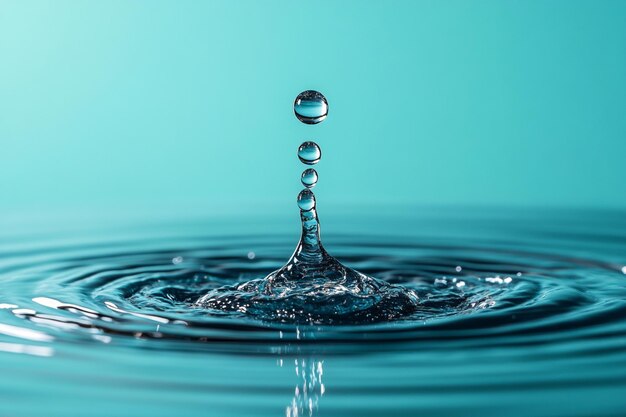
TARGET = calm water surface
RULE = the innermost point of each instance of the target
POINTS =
(521, 313)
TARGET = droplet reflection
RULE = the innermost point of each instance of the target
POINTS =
(310, 107)
(309, 153)
(309, 178)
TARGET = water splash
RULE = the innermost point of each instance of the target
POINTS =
(313, 287)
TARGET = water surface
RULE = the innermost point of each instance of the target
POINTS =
(520, 313)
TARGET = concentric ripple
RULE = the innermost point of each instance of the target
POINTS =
(483, 292)
(503, 305)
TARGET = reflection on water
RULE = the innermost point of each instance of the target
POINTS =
(309, 389)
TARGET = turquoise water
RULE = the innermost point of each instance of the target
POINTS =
(520, 313)
(186, 107)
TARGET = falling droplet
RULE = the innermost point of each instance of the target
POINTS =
(306, 200)
(309, 178)
(310, 107)
(309, 153)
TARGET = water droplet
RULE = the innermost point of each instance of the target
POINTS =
(310, 107)
(306, 200)
(309, 153)
(309, 178)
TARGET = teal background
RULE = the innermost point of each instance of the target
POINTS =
(189, 104)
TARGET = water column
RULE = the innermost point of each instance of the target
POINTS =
(310, 107)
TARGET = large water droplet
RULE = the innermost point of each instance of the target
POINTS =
(309, 153)
(309, 178)
(306, 200)
(310, 107)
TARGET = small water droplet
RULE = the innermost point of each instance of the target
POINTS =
(306, 200)
(176, 260)
(310, 107)
(309, 153)
(309, 178)
(251, 255)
